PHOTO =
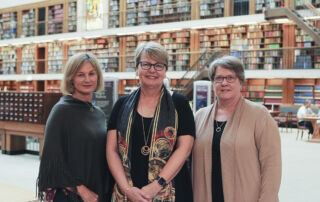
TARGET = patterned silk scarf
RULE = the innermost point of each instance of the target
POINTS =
(164, 135)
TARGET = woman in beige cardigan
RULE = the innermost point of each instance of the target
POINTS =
(237, 153)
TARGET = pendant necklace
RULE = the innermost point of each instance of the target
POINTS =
(91, 107)
(145, 150)
(218, 128)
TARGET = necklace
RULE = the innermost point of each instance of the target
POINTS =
(91, 107)
(145, 150)
(218, 128)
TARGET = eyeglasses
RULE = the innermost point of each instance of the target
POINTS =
(147, 65)
(229, 79)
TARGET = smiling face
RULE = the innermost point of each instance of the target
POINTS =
(150, 78)
(225, 90)
(85, 80)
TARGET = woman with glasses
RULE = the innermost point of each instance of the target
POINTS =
(237, 154)
(150, 136)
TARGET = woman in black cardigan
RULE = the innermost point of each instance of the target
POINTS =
(73, 165)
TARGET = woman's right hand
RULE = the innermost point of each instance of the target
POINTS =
(135, 194)
(86, 194)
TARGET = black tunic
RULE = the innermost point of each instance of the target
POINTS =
(217, 189)
(139, 162)
(74, 148)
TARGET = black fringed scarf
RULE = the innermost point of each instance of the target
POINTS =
(164, 136)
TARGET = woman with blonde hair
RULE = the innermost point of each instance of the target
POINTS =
(150, 136)
(73, 165)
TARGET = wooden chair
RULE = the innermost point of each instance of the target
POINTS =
(301, 129)
(291, 120)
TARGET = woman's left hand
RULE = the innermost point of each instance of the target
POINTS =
(152, 189)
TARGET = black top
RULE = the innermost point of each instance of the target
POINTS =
(139, 162)
(217, 190)
(74, 148)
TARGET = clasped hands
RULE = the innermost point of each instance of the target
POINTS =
(145, 194)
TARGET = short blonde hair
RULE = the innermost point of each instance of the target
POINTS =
(153, 50)
(72, 67)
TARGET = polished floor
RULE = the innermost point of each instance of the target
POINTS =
(300, 178)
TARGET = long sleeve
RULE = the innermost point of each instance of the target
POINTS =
(269, 147)
(54, 171)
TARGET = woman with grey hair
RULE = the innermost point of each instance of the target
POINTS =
(150, 136)
(73, 165)
(237, 154)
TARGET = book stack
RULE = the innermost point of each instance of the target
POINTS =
(72, 17)
(28, 23)
(302, 93)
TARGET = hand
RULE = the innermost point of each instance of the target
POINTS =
(86, 194)
(152, 189)
(134, 194)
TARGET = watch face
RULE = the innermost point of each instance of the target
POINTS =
(162, 181)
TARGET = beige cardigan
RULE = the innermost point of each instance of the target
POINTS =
(250, 155)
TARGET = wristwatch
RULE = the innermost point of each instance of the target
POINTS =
(161, 181)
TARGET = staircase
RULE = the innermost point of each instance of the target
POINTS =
(201, 72)
(285, 12)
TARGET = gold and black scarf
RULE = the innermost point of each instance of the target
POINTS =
(164, 136)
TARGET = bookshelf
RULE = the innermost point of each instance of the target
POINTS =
(8, 85)
(305, 57)
(156, 11)
(52, 86)
(303, 92)
(8, 25)
(28, 59)
(211, 9)
(215, 38)
(114, 14)
(272, 40)
(132, 13)
(253, 89)
(8, 58)
(28, 23)
(178, 46)
(273, 95)
(317, 94)
(72, 17)
(131, 44)
(239, 43)
(55, 19)
(105, 49)
(262, 5)
(55, 57)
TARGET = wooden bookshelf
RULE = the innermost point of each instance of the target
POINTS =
(105, 49)
(8, 25)
(28, 59)
(178, 46)
(72, 17)
(55, 57)
(306, 58)
(273, 40)
(273, 94)
(262, 5)
(28, 23)
(8, 58)
(211, 9)
(55, 19)
(114, 9)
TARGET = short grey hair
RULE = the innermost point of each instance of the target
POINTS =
(153, 50)
(72, 67)
(229, 62)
